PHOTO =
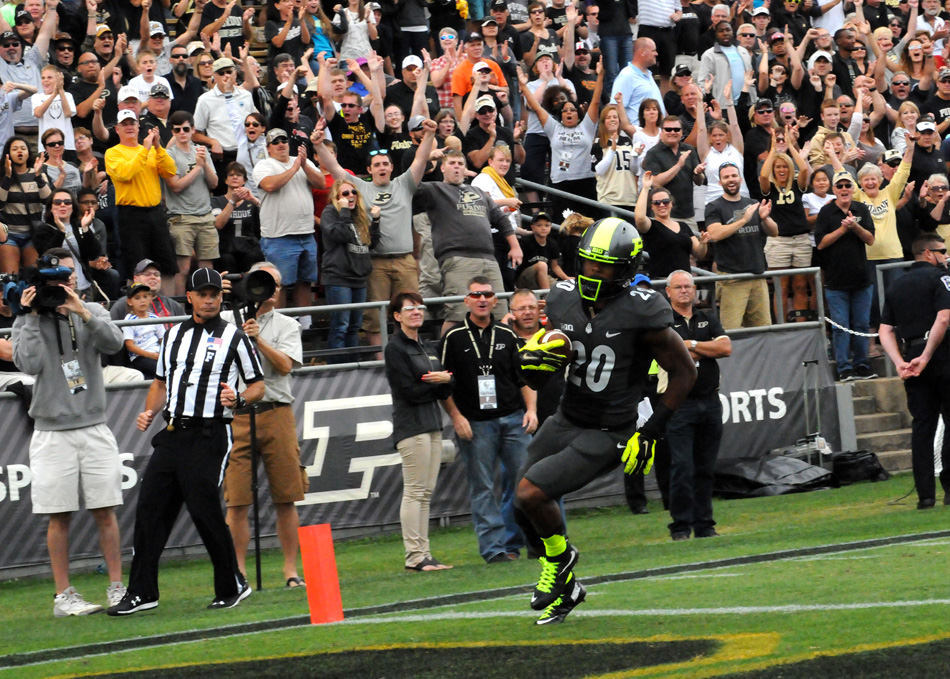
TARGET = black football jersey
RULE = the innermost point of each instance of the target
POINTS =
(610, 364)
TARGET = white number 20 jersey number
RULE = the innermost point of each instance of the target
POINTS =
(594, 371)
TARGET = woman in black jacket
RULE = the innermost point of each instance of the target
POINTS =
(66, 226)
(417, 381)
(348, 233)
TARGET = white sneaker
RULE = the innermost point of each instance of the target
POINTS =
(70, 602)
(114, 593)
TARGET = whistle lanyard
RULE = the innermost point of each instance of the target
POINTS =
(485, 368)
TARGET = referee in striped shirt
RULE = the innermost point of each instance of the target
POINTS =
(198, 368)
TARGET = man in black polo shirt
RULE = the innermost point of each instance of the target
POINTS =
(493, 413)
(675, 166)
(694, 431)
(917, 306)
(843, 230)
(402, 91)
(482, 138)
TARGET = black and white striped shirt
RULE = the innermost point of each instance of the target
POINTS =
(195, 358)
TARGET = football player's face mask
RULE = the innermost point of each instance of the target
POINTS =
(595, 279)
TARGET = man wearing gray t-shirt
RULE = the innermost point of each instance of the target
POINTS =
(394, 267)
(188, 199)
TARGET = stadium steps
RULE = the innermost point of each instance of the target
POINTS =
(882, 421)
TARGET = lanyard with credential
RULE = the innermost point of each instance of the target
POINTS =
(486, 368)
(75, 380)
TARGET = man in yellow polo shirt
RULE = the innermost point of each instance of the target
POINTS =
(135, 170)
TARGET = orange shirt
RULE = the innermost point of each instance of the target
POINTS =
(462, 76)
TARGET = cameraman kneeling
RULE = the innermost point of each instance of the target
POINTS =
(71, 446)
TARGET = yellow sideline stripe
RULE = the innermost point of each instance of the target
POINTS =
(735, 647)
(702, 669)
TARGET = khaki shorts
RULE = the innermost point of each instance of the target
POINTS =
(788, 252)
(279, 451)
(194, 234)
(389, 276)
(528, 279)
(743, 304)
(63, 461)
(457, 272)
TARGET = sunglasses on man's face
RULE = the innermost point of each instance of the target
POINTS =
(843, 185)
(13, 43)
(183, 55)
(252, 123)
(475, 294)
(942, 251)
(280, 140)
(224, 71)
(747, 35)
(485, 110)
(65, 48)
(765, 110)
(348, 105)
(900, 83)
(673, 129)
(181, 128)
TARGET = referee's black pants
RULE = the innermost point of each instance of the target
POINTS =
(187, 466)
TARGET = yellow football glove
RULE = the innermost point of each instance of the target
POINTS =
(534, 356)
(638, 455)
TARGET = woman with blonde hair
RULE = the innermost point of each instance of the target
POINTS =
(780, 184)
(492, 181)
(616, 159)
(907, 116)
(348, 233)
(324, 34)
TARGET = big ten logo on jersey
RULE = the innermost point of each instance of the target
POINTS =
(349, 439)
(755, 405)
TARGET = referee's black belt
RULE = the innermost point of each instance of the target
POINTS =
(185, 423)
(260, 408)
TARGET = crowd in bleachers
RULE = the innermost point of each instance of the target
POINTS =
(150, 132)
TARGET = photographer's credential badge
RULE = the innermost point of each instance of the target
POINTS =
(75, 380)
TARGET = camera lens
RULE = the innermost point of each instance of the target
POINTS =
(48, 297)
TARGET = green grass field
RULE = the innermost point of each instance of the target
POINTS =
(822, 613)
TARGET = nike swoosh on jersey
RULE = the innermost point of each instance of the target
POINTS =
(621, 445)
(611, 334)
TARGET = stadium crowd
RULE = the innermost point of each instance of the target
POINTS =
(147, 132)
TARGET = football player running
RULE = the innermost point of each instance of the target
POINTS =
(616, 331)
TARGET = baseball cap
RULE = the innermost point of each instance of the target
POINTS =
(275, 133)
(640, 278)
(373, 6)
(159, 91)
(223, 62)
(311, 86)
(137, 287)
(63, 37)
(681, 69)
(473, 37)
(194, 47)
(126, 114)
(8, 35)
(126, 92)
(102, 28)
(926, 126)
(22, 15)
(820, 54)
(415, 123)
(775, 37)
(205, 278)
(500, 5)
(943, 73)
(892, 157)
(539, 216)
(581, 47)
(484, 100)
(843, 175)
(156, 28)
(488, 21)
(412, 60)
(144, 264)
(759, 11)
(480, 66)
(764, 103)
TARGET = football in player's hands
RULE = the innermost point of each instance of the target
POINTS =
(559, 343)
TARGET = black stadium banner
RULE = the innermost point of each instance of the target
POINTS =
(345, 429)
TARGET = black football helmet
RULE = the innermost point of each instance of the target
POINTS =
(610, 241)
